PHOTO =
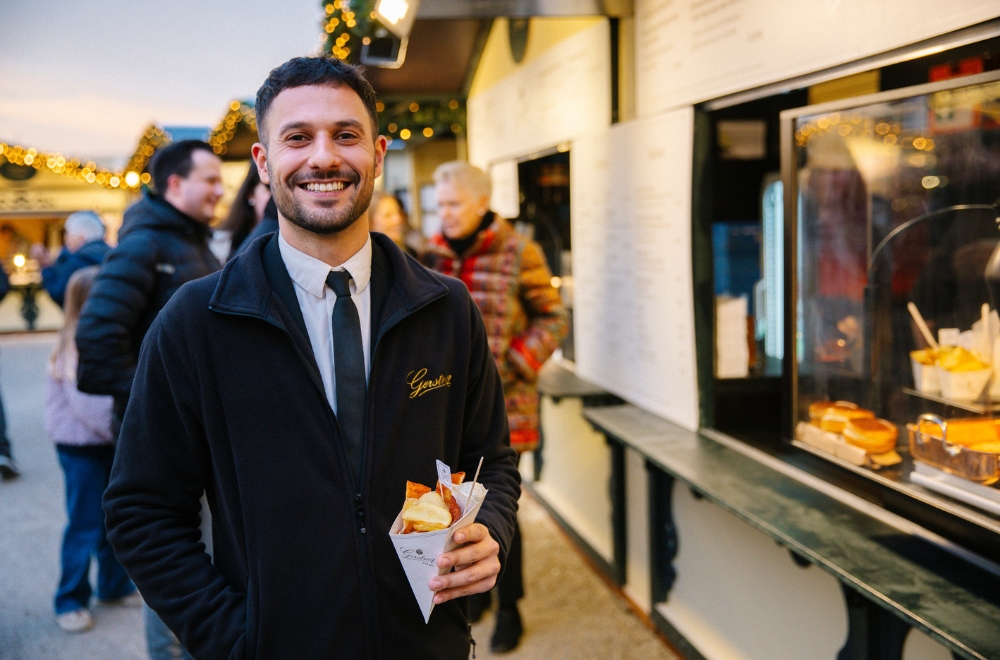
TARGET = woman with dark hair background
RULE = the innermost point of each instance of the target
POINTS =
(247, 209)
(386, 214)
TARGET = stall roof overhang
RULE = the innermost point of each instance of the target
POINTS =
(448, 37)
(455, 9)
(439, 59)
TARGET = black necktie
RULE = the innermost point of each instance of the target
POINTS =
(349, 365)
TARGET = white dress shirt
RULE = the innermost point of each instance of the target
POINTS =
(316, 300)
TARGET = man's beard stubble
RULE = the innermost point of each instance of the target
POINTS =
(323, 221)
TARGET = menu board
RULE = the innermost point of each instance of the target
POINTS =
(563, 94)
(688, 51)
(633, 300)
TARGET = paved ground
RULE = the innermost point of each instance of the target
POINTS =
(568, 611)
(32, 515)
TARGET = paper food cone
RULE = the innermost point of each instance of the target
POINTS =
(418, 551)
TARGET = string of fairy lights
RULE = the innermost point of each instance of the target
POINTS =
(87, 172)
(402, 120)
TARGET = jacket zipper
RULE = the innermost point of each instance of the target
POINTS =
(369, 446)
(359, 504)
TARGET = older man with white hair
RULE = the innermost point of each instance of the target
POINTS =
(83, 245)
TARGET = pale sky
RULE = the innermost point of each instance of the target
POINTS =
(85, 77)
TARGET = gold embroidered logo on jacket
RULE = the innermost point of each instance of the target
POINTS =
(421, 385)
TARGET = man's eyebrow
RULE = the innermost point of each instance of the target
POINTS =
(345, 123)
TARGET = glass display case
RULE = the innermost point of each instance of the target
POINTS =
(893, 264)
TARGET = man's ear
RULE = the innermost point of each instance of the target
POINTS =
(259, 154)
(381, 144)
(173, 183)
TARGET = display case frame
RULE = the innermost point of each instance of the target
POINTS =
(886, 485)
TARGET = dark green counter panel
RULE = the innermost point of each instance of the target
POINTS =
(949, 598)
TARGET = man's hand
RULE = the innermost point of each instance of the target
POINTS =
(39, 253)
(477, 565)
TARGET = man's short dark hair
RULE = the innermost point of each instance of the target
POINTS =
(175, 158)
(303, 71)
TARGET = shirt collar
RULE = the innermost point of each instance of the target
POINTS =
(310, 273)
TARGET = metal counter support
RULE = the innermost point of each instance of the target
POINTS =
(616, 489)
(872, 632)
(662, 533)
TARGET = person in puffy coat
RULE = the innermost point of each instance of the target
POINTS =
(162, 244)
(80, 426)
(525, 320)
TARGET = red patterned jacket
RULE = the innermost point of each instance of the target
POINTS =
(525, 319)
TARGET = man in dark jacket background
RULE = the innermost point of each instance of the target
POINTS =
(162, 244)
(83, 245)
(251, 385)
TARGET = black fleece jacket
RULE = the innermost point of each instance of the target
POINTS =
(159, 249)
(228, 399)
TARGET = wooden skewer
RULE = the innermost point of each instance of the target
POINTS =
(922, 325)
(984, 312)
(473, 486)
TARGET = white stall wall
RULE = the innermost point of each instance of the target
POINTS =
(633, 301)
(576, 473)
(563, 94)
(688, 52)
(638, 576)
(506, 197)
(739, 596)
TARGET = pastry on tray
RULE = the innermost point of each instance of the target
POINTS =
(875, 436)
(836, 416)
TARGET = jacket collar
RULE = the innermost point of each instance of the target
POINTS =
(486, 240)
(256, 283)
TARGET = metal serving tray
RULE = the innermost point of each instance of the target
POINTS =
(978, 466)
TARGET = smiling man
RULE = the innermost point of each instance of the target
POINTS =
(284, 388)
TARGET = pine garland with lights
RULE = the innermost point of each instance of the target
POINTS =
(345, 25)
(406, 120)
(239, 112)
(152, 139)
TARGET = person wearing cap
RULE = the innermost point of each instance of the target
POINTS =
(83, 245)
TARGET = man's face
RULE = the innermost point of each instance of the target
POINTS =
(197, 194)
(460, 210)
(321, 158)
